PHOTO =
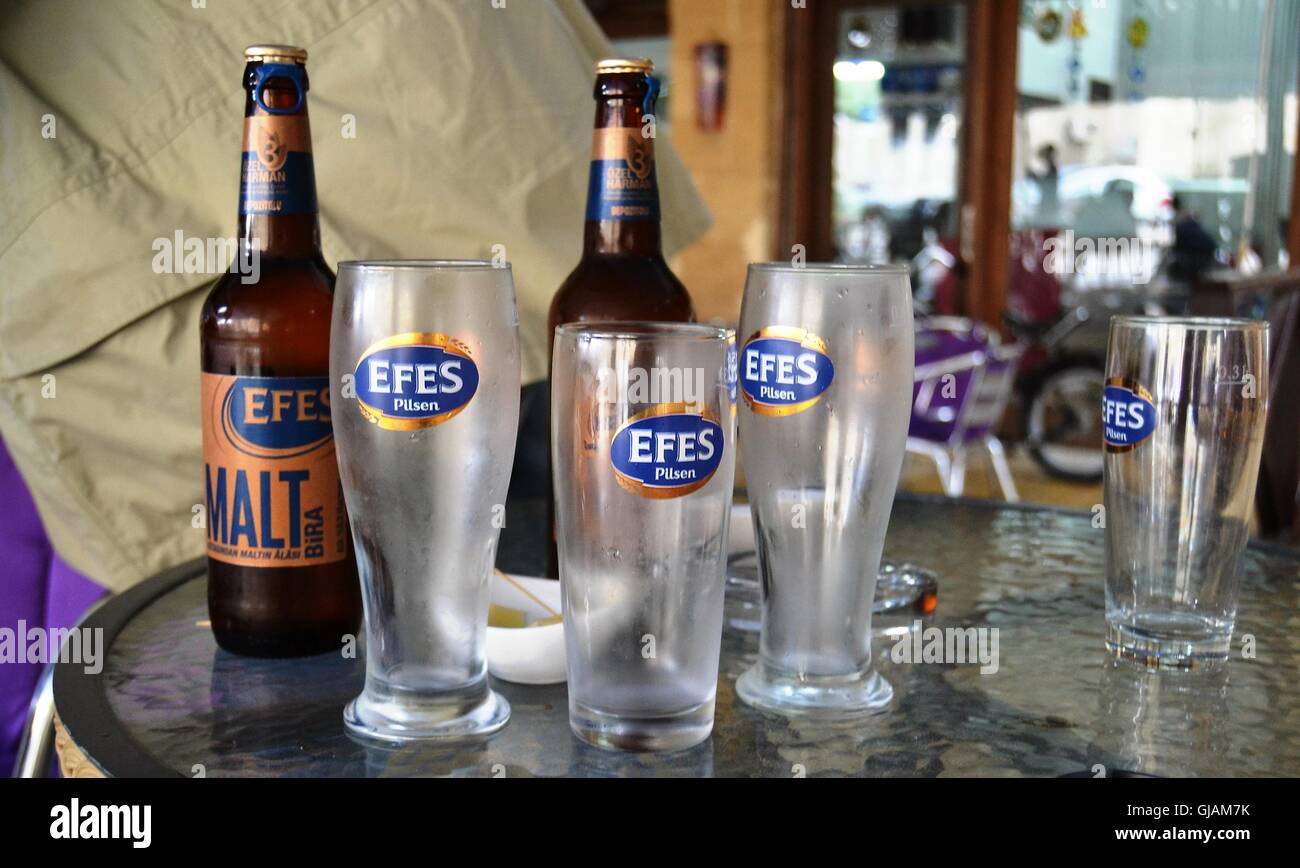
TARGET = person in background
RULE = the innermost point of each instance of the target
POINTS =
(1194, 248)
(1048, 213)
(440, 130)
(37, 590)
(867, 241)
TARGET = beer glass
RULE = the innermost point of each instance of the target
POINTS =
(424, 374)
(826, 384)
(1184, 408)
(643, 449)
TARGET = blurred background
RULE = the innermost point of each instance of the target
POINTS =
(1039, 165)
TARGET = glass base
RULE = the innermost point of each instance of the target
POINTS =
(1165, 650)
(829, 697)
(904, 592)
(642, 733)
(407, 716)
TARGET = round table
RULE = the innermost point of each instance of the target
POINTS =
(169, 702)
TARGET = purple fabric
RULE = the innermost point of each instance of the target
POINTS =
(932, 426)
(36, 587)
(992, 368)
(936, 344)
(939, 422)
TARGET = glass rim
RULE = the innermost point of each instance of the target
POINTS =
(829, 268)
(1192, 323)
(421, 265)
(643, 330)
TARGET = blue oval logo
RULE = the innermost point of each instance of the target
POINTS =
(1128, 415)
(277, 417)
(784, 370)
(667, 451)
(415, 380)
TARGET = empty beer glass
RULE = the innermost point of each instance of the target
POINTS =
(826, 383)
(1183, 412)
(642, 444)
(424, 374)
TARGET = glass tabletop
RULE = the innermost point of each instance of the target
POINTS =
(1055, 704)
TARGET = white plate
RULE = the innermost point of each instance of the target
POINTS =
(535, 655)
(526, 655)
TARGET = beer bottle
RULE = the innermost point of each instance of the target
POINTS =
(622, 274)
(281, 573)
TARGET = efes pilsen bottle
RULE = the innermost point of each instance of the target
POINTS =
(282, 578)
(622, 274)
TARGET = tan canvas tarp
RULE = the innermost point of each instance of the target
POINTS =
(472, 129)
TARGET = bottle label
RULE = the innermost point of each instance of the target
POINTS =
(1128, 415)
(784, 370)
(277, 175)
(415, 380)
(271, 480)
(622, 185)
(667, 451)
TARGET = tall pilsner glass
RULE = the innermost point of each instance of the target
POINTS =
(826, 381)
(1184, 409)
(424, 373)
(642, 440)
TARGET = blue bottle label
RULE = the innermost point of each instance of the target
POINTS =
(415, 380)
(1128, 415)
(784, 370)
(667, 451)
(622, 183)
(277, 175)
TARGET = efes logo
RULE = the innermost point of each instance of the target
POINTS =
(784, 370)
(276, 417)
(415, 380)
(640, 156)
(667, 451)
(271, 150)
(1128, 414)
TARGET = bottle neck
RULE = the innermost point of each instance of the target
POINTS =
(623, 192)
(289, 236)
(278, 214)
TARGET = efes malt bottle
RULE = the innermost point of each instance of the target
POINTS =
(281, 573)
(622, 274)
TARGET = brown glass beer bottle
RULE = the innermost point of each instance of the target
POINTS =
(282, 578)
(622, 275)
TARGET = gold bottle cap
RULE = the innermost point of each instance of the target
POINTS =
(625, 64)
(275, 54)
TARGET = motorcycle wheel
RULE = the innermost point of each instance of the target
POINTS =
(1062, 417)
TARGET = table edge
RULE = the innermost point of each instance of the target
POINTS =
(81, 699)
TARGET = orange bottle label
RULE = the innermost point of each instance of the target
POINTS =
(622, 184)
(271, 480)
(277, 174)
